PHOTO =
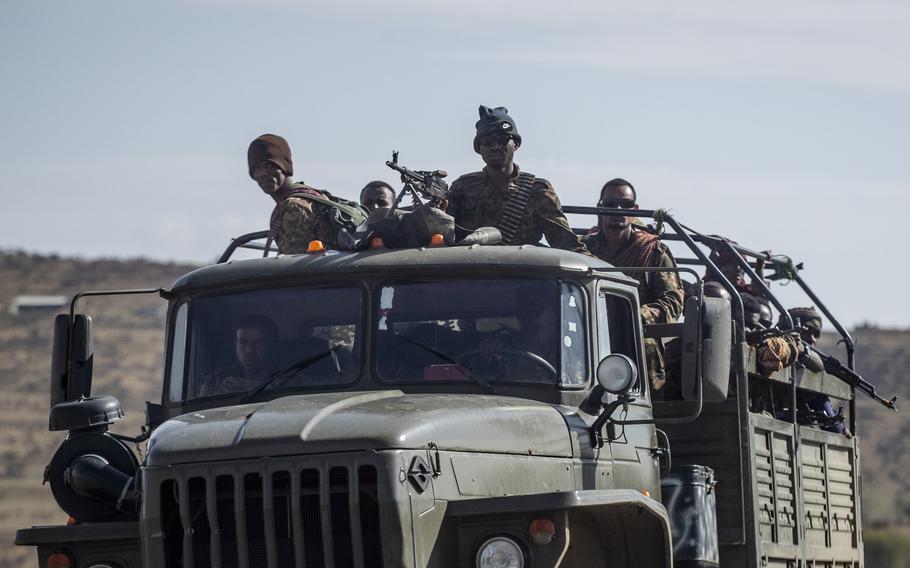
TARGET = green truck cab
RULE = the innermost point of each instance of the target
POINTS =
(445, 406)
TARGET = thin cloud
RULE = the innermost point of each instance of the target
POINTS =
(838, 42)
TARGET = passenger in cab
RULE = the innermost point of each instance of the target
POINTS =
(522, 206)
(626, 245)
(255, 338)
(296, 220)
(377, 194)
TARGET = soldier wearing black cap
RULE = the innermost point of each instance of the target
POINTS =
(522, 206)
(295, 221)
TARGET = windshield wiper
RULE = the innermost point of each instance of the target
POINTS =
(449, 359)
(280, 376)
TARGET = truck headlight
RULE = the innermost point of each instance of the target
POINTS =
(500, 552)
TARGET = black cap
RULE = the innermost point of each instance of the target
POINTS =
(495, 121)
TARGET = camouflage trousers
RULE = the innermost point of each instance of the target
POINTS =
(654, 360)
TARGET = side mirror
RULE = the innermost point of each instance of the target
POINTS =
(71, 359)
(616, 373)
(707, 328)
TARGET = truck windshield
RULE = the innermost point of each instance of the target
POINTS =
(519, 331)
(237, 341)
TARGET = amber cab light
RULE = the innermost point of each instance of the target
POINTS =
(315, 246)
(542, 531)
(60, 559)
(437, 240)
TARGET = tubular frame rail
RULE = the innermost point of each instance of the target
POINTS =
(784, 269)
(246, 241)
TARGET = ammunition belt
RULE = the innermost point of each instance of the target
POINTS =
(513, 212)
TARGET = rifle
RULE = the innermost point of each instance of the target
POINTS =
(836, 368)
(417, 183)
(831, 364)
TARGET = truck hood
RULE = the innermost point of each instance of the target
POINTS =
(355, 421)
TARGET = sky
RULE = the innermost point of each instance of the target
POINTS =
(782, 125)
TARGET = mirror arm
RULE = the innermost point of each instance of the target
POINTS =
(597, 439)
(72, 324)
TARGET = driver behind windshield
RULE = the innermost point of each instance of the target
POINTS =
(255, 339)
(523, 353)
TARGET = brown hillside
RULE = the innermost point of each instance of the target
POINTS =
(129, 340)
(883, 359)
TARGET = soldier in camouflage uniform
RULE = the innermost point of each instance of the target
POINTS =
(255, 339)
(295, 220)
(626, 245)
(497, 197)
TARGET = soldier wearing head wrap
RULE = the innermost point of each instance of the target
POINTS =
(295, 221)
(523, 207)
(622, 243)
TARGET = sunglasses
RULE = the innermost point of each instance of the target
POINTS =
(620, 203)
(495, 141)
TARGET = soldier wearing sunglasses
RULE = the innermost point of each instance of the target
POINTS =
(624, 244)
(524, 207)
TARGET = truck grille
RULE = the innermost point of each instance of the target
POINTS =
(319, 516)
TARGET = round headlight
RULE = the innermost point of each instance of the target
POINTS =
(500, 552)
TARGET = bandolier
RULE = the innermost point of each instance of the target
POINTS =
(513, 212)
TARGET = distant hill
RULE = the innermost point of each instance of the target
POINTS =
(883, 359)
(129, 339)
(129, 350)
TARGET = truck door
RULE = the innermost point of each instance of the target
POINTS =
(620, 331)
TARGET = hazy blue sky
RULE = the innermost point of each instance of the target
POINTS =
(784, 125)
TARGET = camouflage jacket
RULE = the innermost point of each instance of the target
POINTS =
(475, 201)
(296, 221)
(660, 293)
(229, 380)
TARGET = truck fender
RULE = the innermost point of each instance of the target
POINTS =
(621, 528)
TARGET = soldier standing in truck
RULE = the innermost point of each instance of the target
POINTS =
(624, 244)
(295, 221)
(522, 206)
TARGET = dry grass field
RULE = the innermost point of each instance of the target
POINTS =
(129, 342)
(129, 338)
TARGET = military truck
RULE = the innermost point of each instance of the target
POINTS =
(442, 406)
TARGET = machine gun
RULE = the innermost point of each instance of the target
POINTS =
(834, 367)
(416, 183)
